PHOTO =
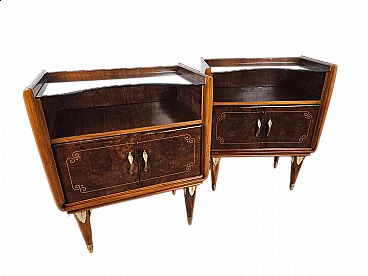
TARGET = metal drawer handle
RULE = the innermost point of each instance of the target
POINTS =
(259, 124)
(269, 126)
(145, 158)
(130, 159)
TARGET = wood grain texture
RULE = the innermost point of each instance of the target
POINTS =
(134, 194)
(189, 203)
(270, 152)
(89, 169)
(225, 62)
(325, 102)
(191, 98)
(75, 122)
(42, 138)
(207, 124)
(107, 74)
(113, 95)
(261, 94)
(237, 127)
(171, 155)
(86, 230)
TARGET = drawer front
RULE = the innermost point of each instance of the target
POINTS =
(96, 168)
(236, 127)
(290, 127)
(171, 155)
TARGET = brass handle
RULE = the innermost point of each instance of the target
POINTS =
(269, 126)
(259, 124)
(130, 159)
(145, 158)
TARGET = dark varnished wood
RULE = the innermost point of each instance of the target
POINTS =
(191, 98)
(113, 95)
(295, 169)
(236, 127)
(215, 170)
(76, 122)
(261, 94)
(134, 194)
(225, 62)
(93, 131)
(292, 127)
(90, 169)
(171, 155)
(86, 230)
(189, 203)
(296, 101)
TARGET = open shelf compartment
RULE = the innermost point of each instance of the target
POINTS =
(268, 80)
(120, 109)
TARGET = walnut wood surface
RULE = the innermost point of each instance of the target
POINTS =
(295, 168)
(134, 194)
(85, 229)
(236, 127)
(76, 122)
(171, 155)
(189, 203)
(261, 94)
(96, 168)
(207, 124)
(41, 135)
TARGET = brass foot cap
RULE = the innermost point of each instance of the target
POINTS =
(275, 164)
(214, 188)
(90, 247)
(174, 192)
(292, 186)
(190, 220)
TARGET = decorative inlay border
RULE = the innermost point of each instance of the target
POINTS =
(222, 117)
(301, 139)
(76, 156)
(307, 116)
(189, 139)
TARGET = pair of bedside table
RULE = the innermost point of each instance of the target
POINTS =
(111, 144)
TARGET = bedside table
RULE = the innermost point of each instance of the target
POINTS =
(268, 107)
(106, 145)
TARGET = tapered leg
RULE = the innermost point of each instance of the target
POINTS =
(189, 195)
(84, 222)
(275, 161)
(173, 192)
(296, 164)
(215, 166)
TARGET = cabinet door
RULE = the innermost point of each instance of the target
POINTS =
(96, 168)
(289, 126)
(169, 155)
(236, 127)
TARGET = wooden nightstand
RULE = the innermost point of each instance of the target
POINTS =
(270, 107)
(106, 145)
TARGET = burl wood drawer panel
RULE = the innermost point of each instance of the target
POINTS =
(101, 167)
(96, 168)
(290, 127)
(171, 155)
(263, 127)
(236, 127)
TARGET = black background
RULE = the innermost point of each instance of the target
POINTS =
(252, 202)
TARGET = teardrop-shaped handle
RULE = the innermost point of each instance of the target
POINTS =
(259, 125)
(130, 159)
(145, 158)
(269, 126)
